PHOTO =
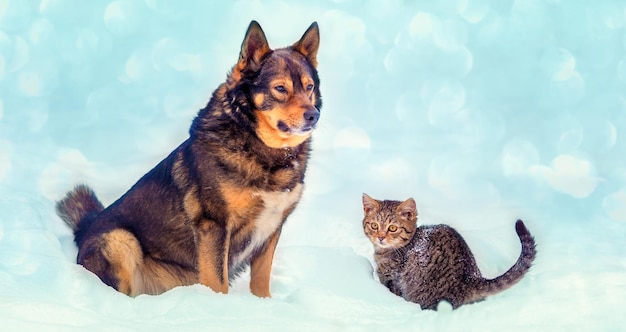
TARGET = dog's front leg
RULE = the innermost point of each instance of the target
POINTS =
(261, 268)
(212, 243)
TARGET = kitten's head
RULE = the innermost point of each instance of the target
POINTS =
(389, 224)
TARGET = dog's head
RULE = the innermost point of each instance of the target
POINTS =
(283, 86)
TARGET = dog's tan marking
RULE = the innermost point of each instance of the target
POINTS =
(310, 94)
(157, 277)
(243, 206)
(261, 268)
(213, 246)
(192, 206)
(258, 100)
(123, 252)
(282, 79)
(306, 81)
(239, 200)
(286, 84)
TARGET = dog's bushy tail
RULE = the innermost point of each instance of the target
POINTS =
(78, 204)
(519, 269)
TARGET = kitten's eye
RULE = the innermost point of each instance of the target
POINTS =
(393, 228)
(374, 226)
(280, 88)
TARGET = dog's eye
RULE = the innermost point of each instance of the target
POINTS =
(309, 87)
(280, 89)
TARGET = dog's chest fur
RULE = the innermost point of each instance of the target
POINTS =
(260, 187)
(270, 216)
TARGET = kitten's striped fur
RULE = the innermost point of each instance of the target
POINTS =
(429, 264)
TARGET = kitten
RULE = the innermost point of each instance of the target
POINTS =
(429, 264)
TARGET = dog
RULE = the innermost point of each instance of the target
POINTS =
(216, 204)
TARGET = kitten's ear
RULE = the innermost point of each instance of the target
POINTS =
(408, 209)
(369, 204)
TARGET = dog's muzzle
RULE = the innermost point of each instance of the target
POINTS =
(310, 118)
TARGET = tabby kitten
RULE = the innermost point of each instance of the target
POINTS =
(429, 264)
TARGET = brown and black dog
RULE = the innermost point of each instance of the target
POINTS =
(218, 202)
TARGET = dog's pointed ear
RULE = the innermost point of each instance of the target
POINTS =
(309, 43)
(253, 47)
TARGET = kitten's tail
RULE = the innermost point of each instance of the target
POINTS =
(78, 204)
(517, 271)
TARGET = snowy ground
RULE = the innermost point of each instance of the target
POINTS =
(483, 111)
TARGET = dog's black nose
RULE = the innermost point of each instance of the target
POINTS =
(311, 116)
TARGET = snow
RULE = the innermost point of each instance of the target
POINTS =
(484, 111)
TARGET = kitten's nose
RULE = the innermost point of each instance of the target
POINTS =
(380, 239)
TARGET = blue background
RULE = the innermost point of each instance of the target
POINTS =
(483, 111)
